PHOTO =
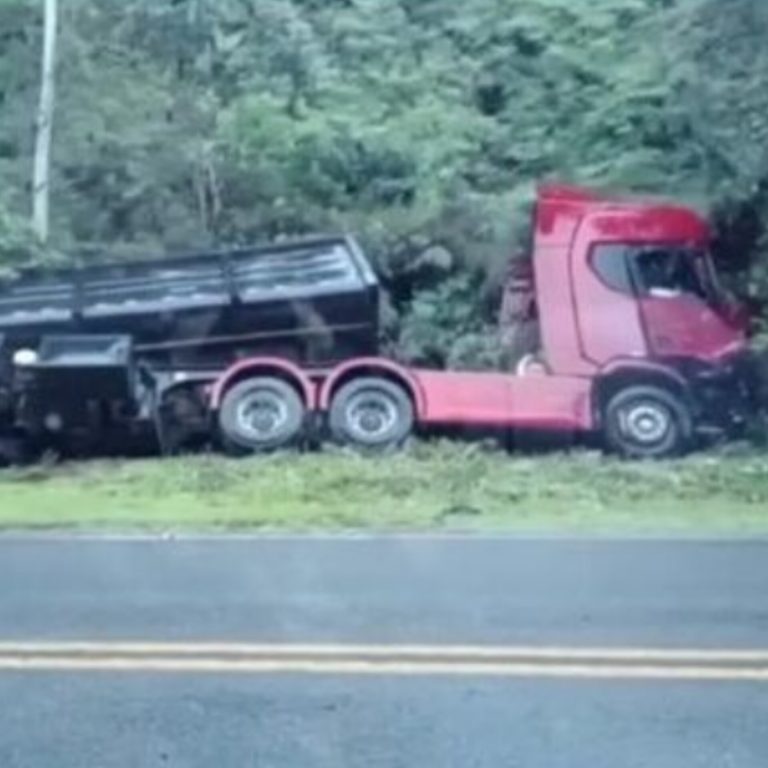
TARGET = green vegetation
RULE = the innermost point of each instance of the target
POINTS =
(438, 486)
(421, 125)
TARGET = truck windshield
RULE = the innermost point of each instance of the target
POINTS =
(668, 271)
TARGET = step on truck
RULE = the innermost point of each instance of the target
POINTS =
(615, 326)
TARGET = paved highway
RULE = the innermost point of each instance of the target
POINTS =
(383, 652)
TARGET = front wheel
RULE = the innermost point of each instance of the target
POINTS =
(371, 414)
(260, 415)
(647, 422)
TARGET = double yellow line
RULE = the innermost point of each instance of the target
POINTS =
(387, 660)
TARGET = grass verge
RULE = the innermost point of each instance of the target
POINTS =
(441, 486)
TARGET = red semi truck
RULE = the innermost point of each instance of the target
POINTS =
(620, 329)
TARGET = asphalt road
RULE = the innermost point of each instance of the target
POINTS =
(681, 597)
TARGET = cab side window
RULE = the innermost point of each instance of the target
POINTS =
(611, 263)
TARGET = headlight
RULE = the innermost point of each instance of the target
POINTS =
(25, 357)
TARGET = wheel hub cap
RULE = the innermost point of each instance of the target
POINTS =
(262, 416)
(372, 415)
(646, 423)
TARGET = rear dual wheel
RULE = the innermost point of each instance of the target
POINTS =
(266, 414)
(371, 414)
(261, 415)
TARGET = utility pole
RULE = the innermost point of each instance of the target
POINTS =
(41, 183)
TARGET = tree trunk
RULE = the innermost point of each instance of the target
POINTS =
(42, 169)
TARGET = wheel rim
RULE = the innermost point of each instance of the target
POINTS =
(371, 415)
(646, 423)
(262, 416)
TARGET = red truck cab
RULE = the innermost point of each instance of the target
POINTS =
(627, 280)
(634, 341)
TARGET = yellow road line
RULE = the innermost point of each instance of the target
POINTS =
(389, 660)
(376, 652)
(152, 665)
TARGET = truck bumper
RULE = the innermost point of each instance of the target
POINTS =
(727, 397)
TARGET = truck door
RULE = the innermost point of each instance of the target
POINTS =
(608, 317)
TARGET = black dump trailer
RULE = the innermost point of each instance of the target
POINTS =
(87, 353)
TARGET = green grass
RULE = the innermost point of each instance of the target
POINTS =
(440, 486)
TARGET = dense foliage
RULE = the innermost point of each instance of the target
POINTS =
(420, 125)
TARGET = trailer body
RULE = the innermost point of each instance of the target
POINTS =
(313, 301)
(88, 355)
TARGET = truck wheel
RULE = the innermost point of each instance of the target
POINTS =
(372, 414)
(647, 422)
(260, 415)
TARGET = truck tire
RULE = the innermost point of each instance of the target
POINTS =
(371, 414)
(647, 422)
(260, 415)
